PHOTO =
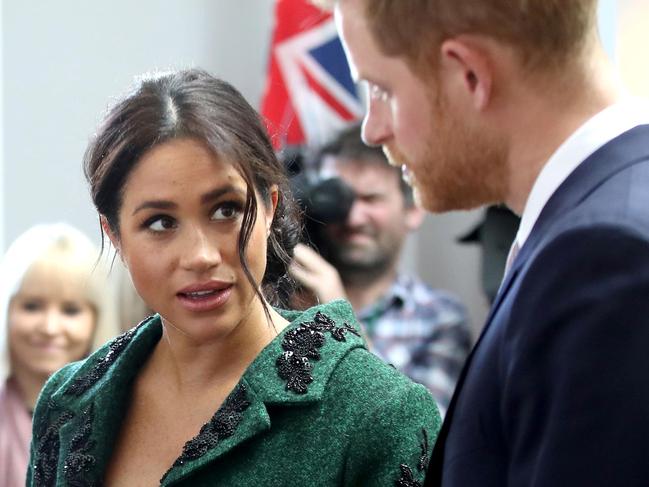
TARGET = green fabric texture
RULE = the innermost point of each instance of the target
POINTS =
(360, 423)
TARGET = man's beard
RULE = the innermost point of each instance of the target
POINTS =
(461, 167)
(360, 265)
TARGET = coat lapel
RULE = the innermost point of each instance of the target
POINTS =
(242, 416)
(292, 371)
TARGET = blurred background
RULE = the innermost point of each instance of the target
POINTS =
(62, 63)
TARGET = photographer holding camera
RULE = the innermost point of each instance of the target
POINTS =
(423, 332)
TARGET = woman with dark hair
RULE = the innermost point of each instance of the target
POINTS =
(218, 387)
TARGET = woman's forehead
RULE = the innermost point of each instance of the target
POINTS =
(178, 159)
(187, 169)
(63, 278)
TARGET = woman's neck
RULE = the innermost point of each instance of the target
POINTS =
(193, 366)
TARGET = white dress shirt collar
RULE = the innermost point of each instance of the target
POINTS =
(593, 134)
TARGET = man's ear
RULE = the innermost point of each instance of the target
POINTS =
(414, 217)
(467, 66)
(114, 240)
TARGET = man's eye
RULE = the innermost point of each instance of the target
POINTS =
(372, 198)
(160, 223)
(377, 93)
(227, 211)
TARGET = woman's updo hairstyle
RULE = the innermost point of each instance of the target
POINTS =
(194, 104)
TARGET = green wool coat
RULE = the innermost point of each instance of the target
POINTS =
(314, 408)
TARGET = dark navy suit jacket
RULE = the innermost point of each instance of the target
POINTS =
(556, 391)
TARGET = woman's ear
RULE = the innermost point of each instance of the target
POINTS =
(270, 209)
(114, 240)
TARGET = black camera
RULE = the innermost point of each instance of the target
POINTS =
(323, 201)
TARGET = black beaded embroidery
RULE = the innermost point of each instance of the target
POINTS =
(407, 476)
(424, 458)
(222, 425)
(115, 348)
(302, 344)
(78, 461)
(47, 452)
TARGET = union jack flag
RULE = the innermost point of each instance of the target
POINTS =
(309, 92)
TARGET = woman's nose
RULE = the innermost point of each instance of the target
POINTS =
(51, 322)
(201, 251)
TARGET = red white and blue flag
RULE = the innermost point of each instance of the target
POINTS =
(309, 93)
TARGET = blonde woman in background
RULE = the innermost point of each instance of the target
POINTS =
(55, 308)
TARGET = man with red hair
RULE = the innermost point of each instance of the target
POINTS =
(501, 101)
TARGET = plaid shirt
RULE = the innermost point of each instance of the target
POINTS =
(422, 332)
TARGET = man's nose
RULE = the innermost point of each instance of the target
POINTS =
(357, 214)
(376, 124)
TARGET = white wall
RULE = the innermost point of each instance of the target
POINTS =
(448, 265)
(2, 163)
(62, 62)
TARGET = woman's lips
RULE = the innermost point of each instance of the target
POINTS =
(48, 348)
(200, 300)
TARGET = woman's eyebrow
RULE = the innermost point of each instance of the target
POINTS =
(218, 192)
(205, 198)
(155, 205)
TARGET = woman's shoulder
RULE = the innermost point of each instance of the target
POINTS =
(338, 311)
(392, 421)
(334, 331)
(367, 379)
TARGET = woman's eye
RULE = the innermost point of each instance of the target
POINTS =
(160, 223)
(227, 211)
(32, 306)
(71, 309)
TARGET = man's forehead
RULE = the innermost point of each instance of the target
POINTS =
(351, 24)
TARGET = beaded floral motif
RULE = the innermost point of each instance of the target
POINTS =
(222, 425)
(78, 461)
(47, 452)
(424, 457)
(407, 475)
(302, 344)
(115, 348)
